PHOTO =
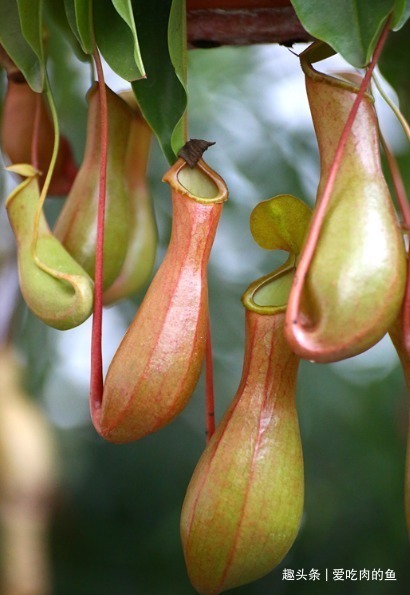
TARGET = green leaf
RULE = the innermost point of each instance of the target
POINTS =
(401, 14)
(13, 39)
(351, 27)
(161, 96)
(280, 223)
(124, 9)
(84, 21)
(70, 12)
(178, 54)
(55, 14)
(80, 18)
(115, 40)
(30, 12)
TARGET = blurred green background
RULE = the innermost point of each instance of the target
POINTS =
(115, 527)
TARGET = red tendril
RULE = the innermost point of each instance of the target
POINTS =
(36, 133)
(97, 383)
(306, 258)
(209, 386)
(405, 211)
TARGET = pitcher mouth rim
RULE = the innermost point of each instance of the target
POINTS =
(171, 177)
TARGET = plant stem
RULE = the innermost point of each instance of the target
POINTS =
(318, 217)
(96, 385)
(199, 147)
(36, 132)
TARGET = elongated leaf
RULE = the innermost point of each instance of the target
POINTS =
(351, 27)
(124, 9)
(177, 52)
(161, 96)
(401, 14)
(80, 18)
(84, 21)
(70, 12)
(115, 40)
(55, 14)
(30, 12)
(17, 47)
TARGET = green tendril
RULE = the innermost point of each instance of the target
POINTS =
(395, 109)
(50, 170)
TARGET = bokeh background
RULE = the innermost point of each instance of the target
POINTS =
(114, 526)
